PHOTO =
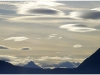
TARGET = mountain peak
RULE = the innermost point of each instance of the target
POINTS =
(31, 64)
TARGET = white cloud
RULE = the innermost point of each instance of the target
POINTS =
(54, 34)
(97, 9)
(76, 59)
(45, 58)
(77, 28)
(77, 46)
(59, 37)
(48, 3)
(51, 36)
(17, 38)
(75, 15)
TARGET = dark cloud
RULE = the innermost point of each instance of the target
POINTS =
(25, 48)
(43, 11)
(3, 47)
(89, 14)
(80, 25)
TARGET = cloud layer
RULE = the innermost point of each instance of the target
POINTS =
(21, 62)
(45, 58)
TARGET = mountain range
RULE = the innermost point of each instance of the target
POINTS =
(91, 65)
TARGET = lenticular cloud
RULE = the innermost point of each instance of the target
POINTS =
(76, 28)
(17, 38)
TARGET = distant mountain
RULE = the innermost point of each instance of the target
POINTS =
(68, 64)
(8, 68)
(31, 64)
(92, 62)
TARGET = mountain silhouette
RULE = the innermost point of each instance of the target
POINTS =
(91, 65)
(31, 64)
(4, 64)
(92, 62)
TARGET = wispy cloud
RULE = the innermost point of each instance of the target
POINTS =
(77, 46)
(77, 28)
(17, 38)
(15, 60)
(57, 52)
(59, 37)
(45, 58)
(51, 36)
(54, 34)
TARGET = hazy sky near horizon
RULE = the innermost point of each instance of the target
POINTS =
(49, 31)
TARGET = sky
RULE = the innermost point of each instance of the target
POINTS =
(49, 31)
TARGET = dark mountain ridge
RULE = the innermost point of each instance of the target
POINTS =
(91, 65)
(92, 62)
